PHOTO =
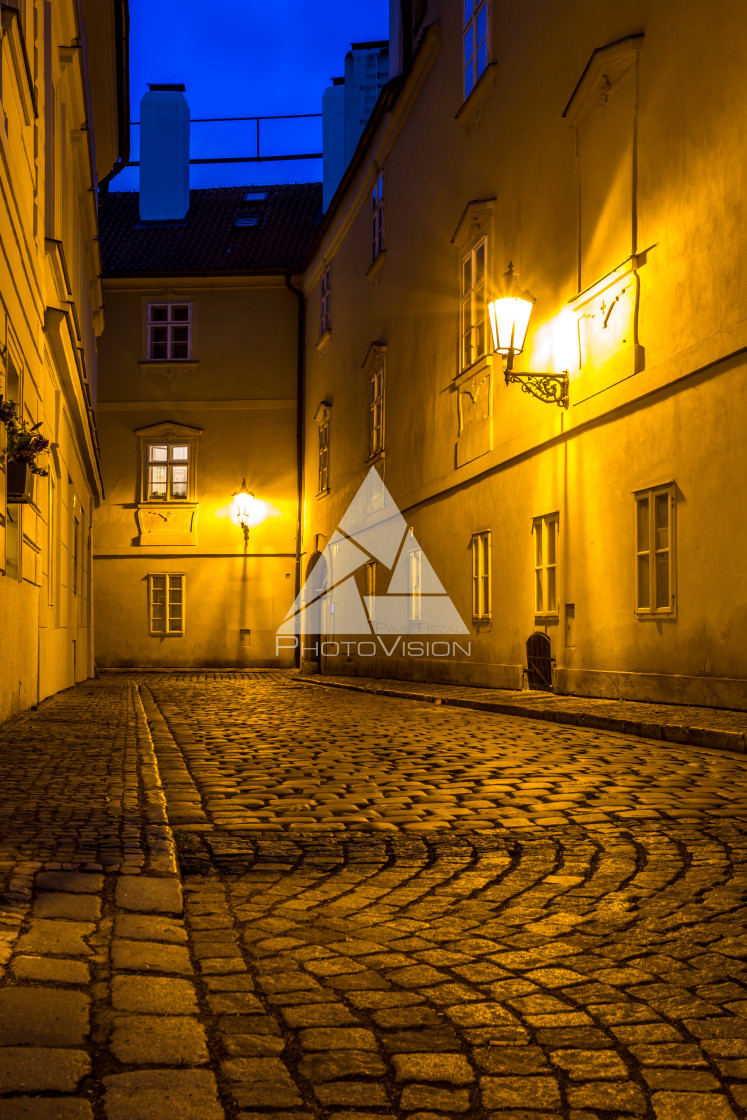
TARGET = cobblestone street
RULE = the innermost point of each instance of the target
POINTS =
(380, 908)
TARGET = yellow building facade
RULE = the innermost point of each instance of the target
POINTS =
(197, 402)
(63, 115)
(595, 548)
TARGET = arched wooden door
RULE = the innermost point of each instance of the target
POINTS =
(539, 662)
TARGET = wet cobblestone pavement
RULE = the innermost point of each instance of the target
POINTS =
(391, 909)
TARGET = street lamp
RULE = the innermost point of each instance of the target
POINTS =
(509, 319)
(242, 507)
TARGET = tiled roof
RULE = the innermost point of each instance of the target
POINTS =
(208, 240)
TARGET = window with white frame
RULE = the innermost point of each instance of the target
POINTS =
(325, 290)
(376, 410)
(472, 305)
(166, 604)
(475, 40)
(168, 467)
(371, 588)
(377, 218)
(545, 533)
(324, 454)
(169, 331)
(654, 546)
(415, 561)
(481, 589)
(75, 557)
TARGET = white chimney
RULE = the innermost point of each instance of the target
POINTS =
(164, 154)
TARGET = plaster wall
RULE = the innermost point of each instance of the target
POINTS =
(50, 315)
(240, 394)
(656, 387)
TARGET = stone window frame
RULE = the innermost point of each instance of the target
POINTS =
(168, 631)
(651, 553)
(482, 583)
(471, 31)
(323, 417)
(545, 568)
(169, 433)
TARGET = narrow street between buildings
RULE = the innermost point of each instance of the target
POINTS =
(251, 897)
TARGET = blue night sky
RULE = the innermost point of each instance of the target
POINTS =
(243, 58)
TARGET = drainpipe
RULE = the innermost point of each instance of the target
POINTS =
(300, 441)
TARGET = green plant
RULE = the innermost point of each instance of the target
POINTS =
(25, 442)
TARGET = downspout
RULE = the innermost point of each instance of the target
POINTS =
(300, 440)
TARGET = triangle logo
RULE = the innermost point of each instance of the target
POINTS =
(372, 529)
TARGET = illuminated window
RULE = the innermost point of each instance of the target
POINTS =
(481, 591)
(654, 548)
(166, 604)
(545, 533)
(325, 291)
(376, 411)
(416, 584)
(169, 331)
(324, 455)
(167, 462)
(371, 588)
(475, 39)
(168, 472)
(472, 307)
(377, 218)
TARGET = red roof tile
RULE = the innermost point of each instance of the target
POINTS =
(208, 240)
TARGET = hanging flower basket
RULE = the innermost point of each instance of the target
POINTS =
(24, 445)
(20, 483)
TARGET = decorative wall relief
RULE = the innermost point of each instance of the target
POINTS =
(167, 524)
(475, 414)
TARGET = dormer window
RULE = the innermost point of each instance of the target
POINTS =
(250, 212)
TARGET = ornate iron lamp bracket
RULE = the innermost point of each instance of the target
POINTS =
(551, 388)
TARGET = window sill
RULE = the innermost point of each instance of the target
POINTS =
(323, 343)
(375, 269)
(479, 368)
(546, 619)
(377, 457)
(471, 111)
(653, 616)
(323, 493)
(167, 367)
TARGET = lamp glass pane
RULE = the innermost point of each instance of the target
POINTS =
(510, 318)
(243, 505)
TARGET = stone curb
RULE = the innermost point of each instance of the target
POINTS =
(160, 839)
(712, 738)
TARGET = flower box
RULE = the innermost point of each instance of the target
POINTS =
(20, 483)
